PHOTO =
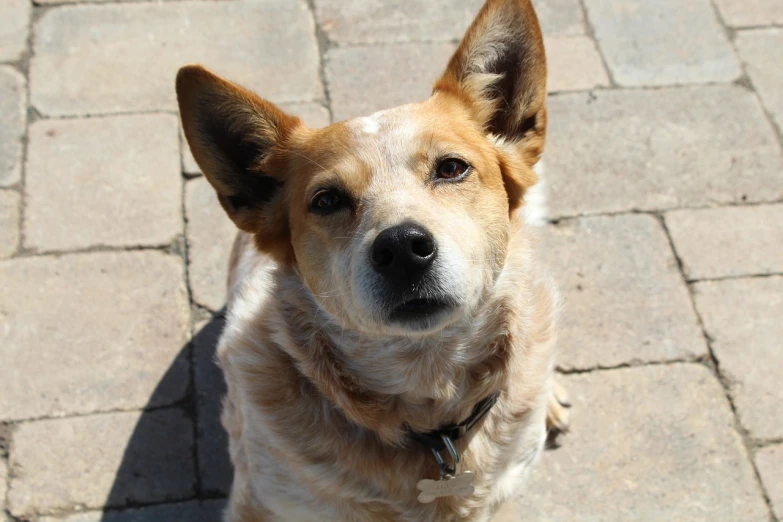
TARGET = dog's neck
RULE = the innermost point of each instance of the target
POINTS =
(390, 384)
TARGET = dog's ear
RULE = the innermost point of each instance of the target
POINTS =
(238, 140)
(499, 71)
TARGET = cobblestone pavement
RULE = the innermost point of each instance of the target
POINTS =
(665, 174)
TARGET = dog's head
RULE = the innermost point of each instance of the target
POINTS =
(399, 222)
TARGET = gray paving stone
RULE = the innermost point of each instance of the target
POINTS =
(613, 151)
(359, 21)
(9, 222)
(663, 42)
(728, 241)
(14, 23)
(743, 13)
(363, 80)
(210, 236)
(13, 114)
(742, 317)
(313, 114)
(770, 465)
(129, 313)
(573, 63)
(560, 17)
(116, 58)
(118, 182)
(760, 50)
(214, 462)
(646, 444)
(625, 301)
(116, 458)
(194, 511)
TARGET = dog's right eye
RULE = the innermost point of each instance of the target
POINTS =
(327, 201)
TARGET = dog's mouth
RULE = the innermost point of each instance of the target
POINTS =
(420, 309)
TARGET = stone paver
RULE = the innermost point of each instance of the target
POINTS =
(89, 332)
(560, 17)
(13, 103)
(742, 317)
(758, 50)
(395, 20)
(125, 457)
(210, 236)
(729, 241)
(313, 114)
(663, 42)
(363, 80)
(573, 63)
(624, 298)
(769, 462)
(214, 462)
(103, 181)
(14, 22)
(9, 222)
(194, 511)
(739, 13)
(646, 444)
(115, 58)
(612, 151)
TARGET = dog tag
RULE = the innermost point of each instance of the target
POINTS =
(461, 486)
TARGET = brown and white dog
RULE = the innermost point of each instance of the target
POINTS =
(382, 286)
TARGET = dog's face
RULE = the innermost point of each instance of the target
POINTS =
(398, 222)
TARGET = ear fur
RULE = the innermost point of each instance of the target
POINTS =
(237, 139)
(499, 71)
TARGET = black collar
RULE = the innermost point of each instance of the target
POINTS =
(434, 439)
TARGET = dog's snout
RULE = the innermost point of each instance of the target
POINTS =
(403, 252)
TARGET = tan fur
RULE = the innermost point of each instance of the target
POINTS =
(321, 389)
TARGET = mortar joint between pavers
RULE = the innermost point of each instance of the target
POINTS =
(180, 404)
(171, 248)
(630, 364)
(695, 280)
(555, 220)
(590, 33)
(732, 34)
(324, 44)
(192, 396)
(724, 381)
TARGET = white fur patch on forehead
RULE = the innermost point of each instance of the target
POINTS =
(369, 124)
(390, 124)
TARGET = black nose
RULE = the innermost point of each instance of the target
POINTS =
(404, 252)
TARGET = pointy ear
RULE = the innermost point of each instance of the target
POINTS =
(238, 139)
(499, 72)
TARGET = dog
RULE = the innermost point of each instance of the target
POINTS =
(389, 342)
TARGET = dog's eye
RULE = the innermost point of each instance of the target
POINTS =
(327, 201)
(452, 169)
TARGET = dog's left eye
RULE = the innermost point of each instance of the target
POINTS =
(452, 169)
(327, 201)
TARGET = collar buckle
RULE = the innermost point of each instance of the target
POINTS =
(446, 471)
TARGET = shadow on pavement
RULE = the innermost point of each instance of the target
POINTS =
(162, 463)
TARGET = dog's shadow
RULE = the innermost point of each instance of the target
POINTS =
(165, 464)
